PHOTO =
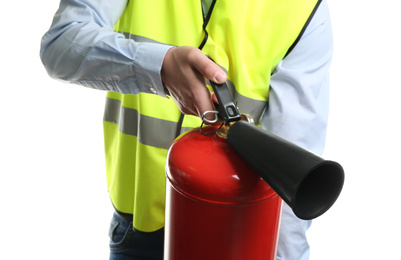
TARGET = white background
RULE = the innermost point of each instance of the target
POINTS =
(54, 201)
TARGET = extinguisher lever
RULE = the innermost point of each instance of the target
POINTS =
(227, 110)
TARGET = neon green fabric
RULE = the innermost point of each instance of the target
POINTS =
(247, 38)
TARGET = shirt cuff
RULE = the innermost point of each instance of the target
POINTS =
(147, 67)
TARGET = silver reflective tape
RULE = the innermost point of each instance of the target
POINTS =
(148, 130)
(250, 106)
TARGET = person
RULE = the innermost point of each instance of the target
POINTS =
(152, 57)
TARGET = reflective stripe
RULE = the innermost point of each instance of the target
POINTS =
(152, 131)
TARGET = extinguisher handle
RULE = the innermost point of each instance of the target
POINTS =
(228, 111)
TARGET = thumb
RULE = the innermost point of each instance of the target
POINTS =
(219, 77)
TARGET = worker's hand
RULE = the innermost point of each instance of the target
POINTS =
(183, 73)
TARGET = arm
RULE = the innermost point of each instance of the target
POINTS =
(298, 111)
(299, 94)
(82, 48)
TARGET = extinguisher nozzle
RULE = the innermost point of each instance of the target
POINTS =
(309, 184)
(318, 191)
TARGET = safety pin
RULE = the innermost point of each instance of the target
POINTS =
(210, 121)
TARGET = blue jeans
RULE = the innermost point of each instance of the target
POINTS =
(126, 243)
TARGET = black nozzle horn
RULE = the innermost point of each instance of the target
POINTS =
(307, 183)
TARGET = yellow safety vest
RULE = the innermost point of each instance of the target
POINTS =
(246, 38)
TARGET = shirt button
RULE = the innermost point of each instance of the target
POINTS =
(153, 90)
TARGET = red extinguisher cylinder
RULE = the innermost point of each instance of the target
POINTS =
(217, 207)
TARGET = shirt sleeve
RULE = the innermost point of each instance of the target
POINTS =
(299, 87)
(82, 47)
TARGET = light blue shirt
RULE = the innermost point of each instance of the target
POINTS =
(82, 48)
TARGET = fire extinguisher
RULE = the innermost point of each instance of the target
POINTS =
(217, 207)
(225, 187)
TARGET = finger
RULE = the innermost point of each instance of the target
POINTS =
(215, 101)
(203, 103)
(214, 98)
(185, 108)
(207, 67)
